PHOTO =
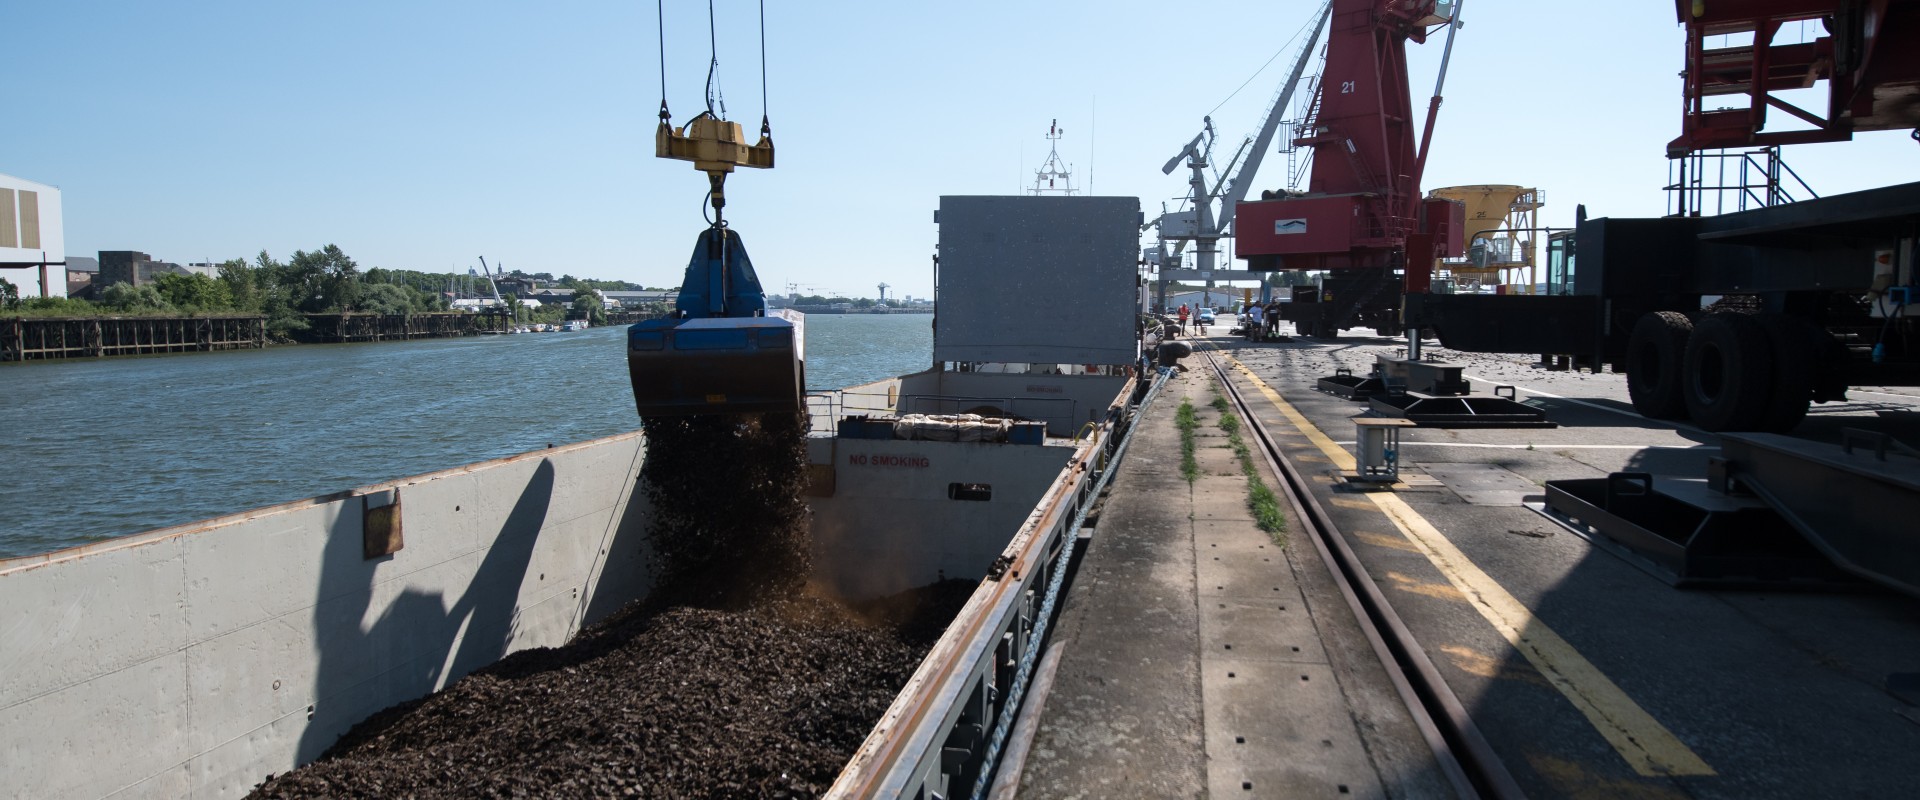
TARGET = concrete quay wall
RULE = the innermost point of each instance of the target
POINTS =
(192, 661)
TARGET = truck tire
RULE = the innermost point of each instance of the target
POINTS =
(1728, 373)
(1656, 358)
(1795, 343)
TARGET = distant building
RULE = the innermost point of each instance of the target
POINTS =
(1224, 298)
(81, 271)
(516, 285)
(33, 239)
(133, 267)
(631, 299)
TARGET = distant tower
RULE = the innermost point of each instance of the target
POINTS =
(1051, 176)
(883, 292)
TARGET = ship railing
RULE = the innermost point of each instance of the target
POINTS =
(825, 408)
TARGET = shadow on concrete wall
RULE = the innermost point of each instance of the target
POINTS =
(626, 566)
(410, 649)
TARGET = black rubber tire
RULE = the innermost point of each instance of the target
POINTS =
(1656, 360)
(1729, 373)
(1796, 345)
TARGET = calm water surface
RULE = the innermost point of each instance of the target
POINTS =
(102, 448)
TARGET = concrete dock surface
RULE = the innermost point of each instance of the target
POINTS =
(1200, 656)
(1590, 676)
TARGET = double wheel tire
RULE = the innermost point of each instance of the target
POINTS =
(1729, 373)
(1656, 364)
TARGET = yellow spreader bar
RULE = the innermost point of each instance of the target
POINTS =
(1647, 746)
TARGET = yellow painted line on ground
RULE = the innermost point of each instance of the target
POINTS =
(1341, 458)
(1647, 746)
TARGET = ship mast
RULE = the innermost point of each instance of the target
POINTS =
(1052, 177)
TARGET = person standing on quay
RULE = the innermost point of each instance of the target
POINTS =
(1183, 318)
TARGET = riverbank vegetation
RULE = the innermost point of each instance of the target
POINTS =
(322, 281)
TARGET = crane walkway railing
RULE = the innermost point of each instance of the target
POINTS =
(1720, 182)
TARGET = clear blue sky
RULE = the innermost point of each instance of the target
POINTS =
(420, 135)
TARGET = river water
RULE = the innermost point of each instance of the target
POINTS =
(101, 448)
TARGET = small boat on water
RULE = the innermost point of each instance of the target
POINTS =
(575, 325)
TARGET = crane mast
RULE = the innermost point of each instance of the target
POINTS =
(1205, 229)
(1362, 217)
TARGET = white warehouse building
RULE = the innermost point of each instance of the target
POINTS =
(33, 242)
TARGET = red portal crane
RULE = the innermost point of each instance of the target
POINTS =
(1362, 217)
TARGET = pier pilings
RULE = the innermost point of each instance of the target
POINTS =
(44, 338)
(35, 339)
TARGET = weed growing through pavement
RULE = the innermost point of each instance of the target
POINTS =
(1188, 466)
(1261, 500)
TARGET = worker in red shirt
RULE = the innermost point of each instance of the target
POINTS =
(1183, 318)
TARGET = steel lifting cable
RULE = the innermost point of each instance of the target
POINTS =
(1270, 60)
(765, 129)
(660, 20)
(1043, 620)
(713, 61)
(713, 57)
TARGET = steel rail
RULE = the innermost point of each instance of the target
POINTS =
(1462, 752)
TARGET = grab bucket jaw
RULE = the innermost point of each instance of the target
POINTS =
(723, 365)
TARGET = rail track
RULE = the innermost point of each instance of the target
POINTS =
(1459, 748)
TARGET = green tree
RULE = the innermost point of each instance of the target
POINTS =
(323, 280)
(143, 300)
(588, 305)
(243, 285)
(386, 298)
(9, 294)
(195, 292)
